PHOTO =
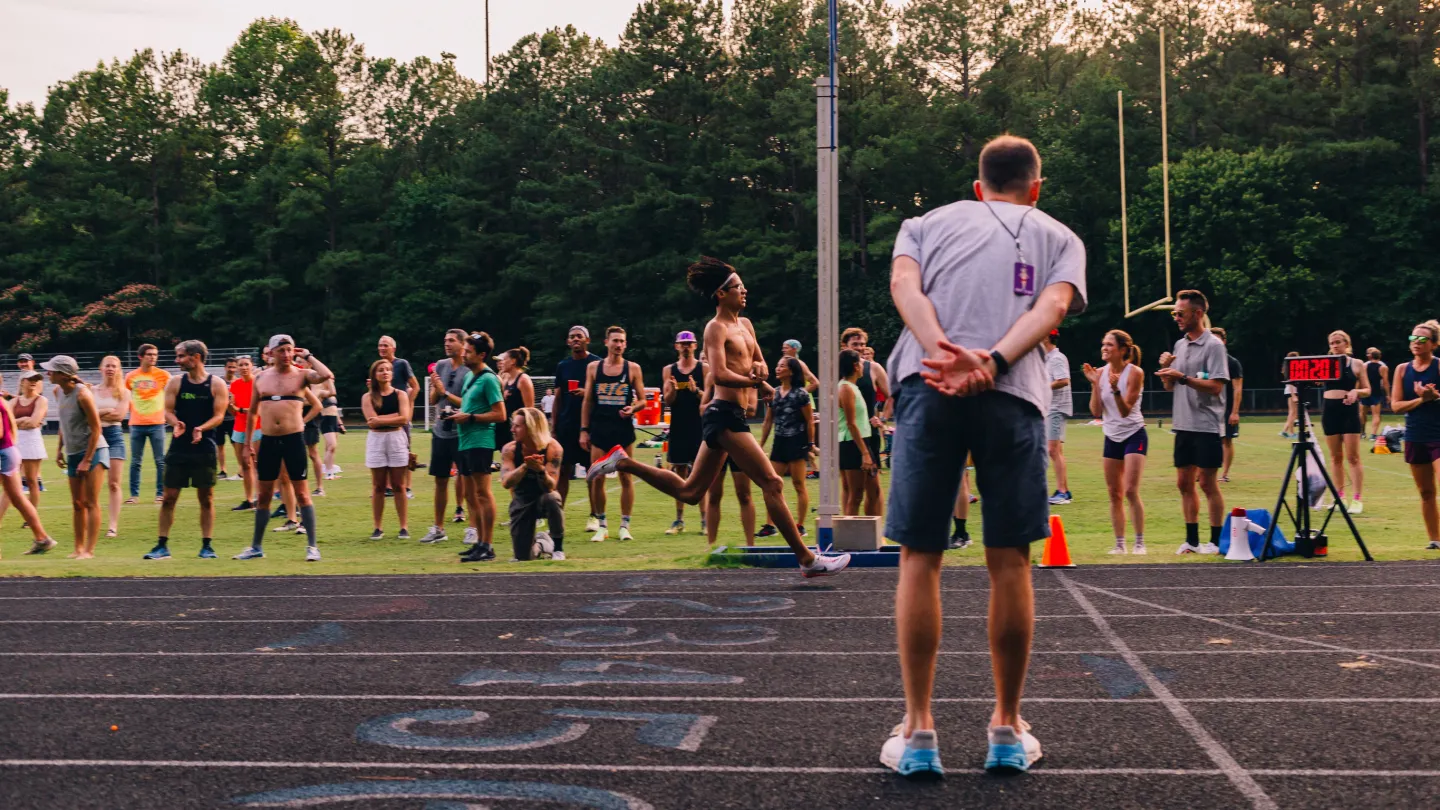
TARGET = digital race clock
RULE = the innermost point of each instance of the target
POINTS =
(1323, 368)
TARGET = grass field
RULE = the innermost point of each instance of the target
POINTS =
(1390, 524)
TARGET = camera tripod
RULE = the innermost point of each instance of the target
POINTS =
(1307, 540)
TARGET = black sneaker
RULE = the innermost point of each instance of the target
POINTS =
(482, 552)
(279, 512)
(389, 493)
(767, 530)
(245, 506)
(404, 534)
(377, 535)
(459, 516)
(958, 540)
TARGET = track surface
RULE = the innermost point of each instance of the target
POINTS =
(1165, 686)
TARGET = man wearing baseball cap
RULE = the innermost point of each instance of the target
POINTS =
(565, 419)
(683, 381)
(279, 405)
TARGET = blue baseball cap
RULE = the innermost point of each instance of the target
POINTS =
(792, 343)
(686, 336)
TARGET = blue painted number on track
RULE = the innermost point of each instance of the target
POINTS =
(739, 604)
(451, 792)
(682, 732)
(586, 673)
(727, 635)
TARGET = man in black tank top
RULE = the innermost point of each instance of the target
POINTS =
(683, 381)
(195, 405)
(614, 390)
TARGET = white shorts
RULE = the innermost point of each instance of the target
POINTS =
(31, 444)
(388, 449)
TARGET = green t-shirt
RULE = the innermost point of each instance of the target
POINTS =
(479, 397)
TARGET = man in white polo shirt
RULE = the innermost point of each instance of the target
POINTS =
(1196, 372)
(979, 284)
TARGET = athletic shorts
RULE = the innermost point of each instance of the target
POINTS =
(312, 432)
(1373, 399)
(114, 436)
(1196, 449)
(790, 448)
(1232, 431)
(574, 455)
(850, 458)
(190, 471)
(236, 437)
(605, 434)
(720, 416)
(226, 428)
(684, 444)
(442, 455)
(475, 461)
(1339, 419)
(10, 461)
(386, 449)
(100, 459)
(1134, 444)
(1422, 452)
(1055, 426)
(934, 434)
(276, 450)
(329, 424)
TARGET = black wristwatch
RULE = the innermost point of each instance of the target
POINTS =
(1001, 364)
(1184, 379)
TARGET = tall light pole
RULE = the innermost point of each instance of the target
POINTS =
(487, 43)
(827, 277)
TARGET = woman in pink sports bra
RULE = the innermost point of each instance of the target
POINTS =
(10, 483)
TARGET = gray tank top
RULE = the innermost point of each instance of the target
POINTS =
(74, 427)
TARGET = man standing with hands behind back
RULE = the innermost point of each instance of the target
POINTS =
(1196, 372)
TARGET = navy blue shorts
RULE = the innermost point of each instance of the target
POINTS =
(1136, 444)
(934, 434)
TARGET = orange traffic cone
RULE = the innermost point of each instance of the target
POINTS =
(1057, 551)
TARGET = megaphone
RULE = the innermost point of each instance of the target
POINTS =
(1240, 527)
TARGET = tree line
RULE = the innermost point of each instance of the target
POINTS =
(304, 185)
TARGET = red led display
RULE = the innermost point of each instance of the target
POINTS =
(1324, 368)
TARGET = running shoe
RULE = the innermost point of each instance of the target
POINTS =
(625, 533)
(42, 546)
(245, 506)
(1356, 507)
(158, 553)
(1012, 749)
(128, 501)
(335, 470)
(41, 482)
(207, 553)
(318, 492)
(158, 498)
(389, 493)
(480, 553)
(916, 757)
(1060, 498)
(1119, 548)
(559, 555)
(108, 532)
(800, 528)
(300, 528)
(676, 527)
(251, 553)
(593, 524)
(608, 463)
(825, 566)
(330, 476)
(1139, 547)
(1186, 548)
(812, 476)
(958, 540)
(1208, 548)
(601, 535)
(279, 512)
(459, 516)
(1224, 479)
(472, 536)
(768, 530)
(235, 478)
(702, 525)
(1433, 546)
(435, 535)
(974, 498)
(409, 494)
(287, 526)
(312, 554)
(403, 535)
(377, 535)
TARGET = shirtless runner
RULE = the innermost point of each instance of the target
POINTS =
(279, 404)
(733, 356)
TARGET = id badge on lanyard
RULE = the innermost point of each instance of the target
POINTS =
(1024, 271)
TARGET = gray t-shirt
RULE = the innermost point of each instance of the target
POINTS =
(453, 376)
(967, 269)
(1205, 358)
(1057, 367)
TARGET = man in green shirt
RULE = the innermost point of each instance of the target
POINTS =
(482, 405)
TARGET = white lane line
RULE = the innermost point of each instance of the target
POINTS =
(146, 696)
(476, 594)
(1252, 630)
(1227, 763)
(755, 769)
(701, 617)
(647, 653)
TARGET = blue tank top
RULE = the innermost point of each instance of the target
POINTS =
(1423, 423)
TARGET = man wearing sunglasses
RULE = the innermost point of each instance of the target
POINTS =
(1196, 372)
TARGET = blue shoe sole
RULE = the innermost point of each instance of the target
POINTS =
(921, 765)
(1006, 759)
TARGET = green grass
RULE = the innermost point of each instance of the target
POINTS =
(1390, 524)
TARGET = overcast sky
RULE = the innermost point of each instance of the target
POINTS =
(45, 41)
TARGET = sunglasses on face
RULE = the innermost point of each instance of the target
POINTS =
(1419, 339)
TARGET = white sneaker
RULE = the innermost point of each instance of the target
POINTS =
(336, 470)
(435, 535)
(601, 535)
(593, 524)
(1139, 548)
(312, 554)
(1209, 548)
(1186, 548)
(916, 757)
(472, 536)
(559, 555)
(1118, 549)
(825, 566)
(1356, 507)
(1012, 748)
(625, 533)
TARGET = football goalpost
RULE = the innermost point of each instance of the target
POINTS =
(1168, 300)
